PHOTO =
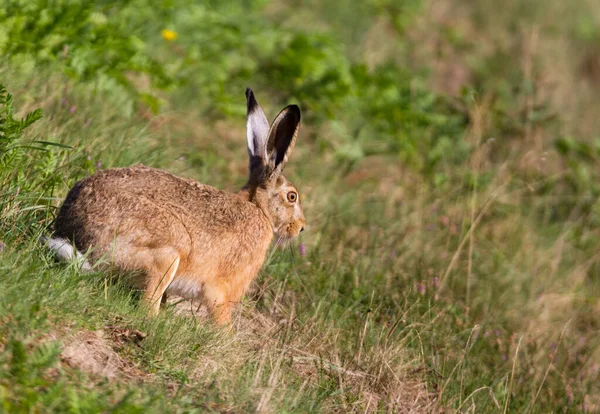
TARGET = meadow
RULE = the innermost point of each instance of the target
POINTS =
(449, 167)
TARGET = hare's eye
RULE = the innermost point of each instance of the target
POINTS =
(292, 196)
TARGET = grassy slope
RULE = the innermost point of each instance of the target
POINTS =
(473, 293)
(293, 348)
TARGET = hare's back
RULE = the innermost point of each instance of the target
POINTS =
(144, 205)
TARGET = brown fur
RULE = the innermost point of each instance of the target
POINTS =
(178, 234)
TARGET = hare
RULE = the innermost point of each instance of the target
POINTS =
(176, 235)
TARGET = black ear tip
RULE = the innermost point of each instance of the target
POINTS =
(295, 109)
(250, 100)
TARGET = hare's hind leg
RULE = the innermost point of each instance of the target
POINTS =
(159, 275)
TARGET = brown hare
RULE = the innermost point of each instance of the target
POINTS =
(175, 235)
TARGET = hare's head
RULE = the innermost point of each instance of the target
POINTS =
(269, 148)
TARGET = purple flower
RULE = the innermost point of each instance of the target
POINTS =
(89, 157)
(2, 245)
(302, 249)
(72, 109)
(99, 164)
(421, 288)
(87, 122)
(436, 281)
(504, 357)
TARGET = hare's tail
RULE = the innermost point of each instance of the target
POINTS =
(65, 251)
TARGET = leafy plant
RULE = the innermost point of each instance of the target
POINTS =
(11, 128)
(27, 167)
(88, 40)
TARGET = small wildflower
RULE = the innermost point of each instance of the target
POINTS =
(569, 392)
(436, 281)
(87, 122)
(421, 288)
(89, 157)
(168, 35)
(302, 249)
(2, 245)
(504, 357)
(72, 109)
(98, 164)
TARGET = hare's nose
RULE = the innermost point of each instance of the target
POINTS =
(302, 229)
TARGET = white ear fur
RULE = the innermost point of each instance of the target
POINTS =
(257, 128)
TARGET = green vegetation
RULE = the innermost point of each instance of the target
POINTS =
(449, 165)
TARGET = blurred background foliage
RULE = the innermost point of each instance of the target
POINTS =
(450, 158)
(114, 46)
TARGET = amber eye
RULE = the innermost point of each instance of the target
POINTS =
(292, 196)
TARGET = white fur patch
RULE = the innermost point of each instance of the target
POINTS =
(185, 288)
(65, 251)
(257, 129)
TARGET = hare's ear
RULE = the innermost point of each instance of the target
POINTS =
(282, 138)
(257, 130)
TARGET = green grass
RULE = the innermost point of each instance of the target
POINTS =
(448, 165)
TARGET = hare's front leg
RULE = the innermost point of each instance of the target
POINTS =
(222, 313)
(159, 275)
(216, 298)
(224, 293)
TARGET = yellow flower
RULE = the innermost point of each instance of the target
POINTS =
(168, 35)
